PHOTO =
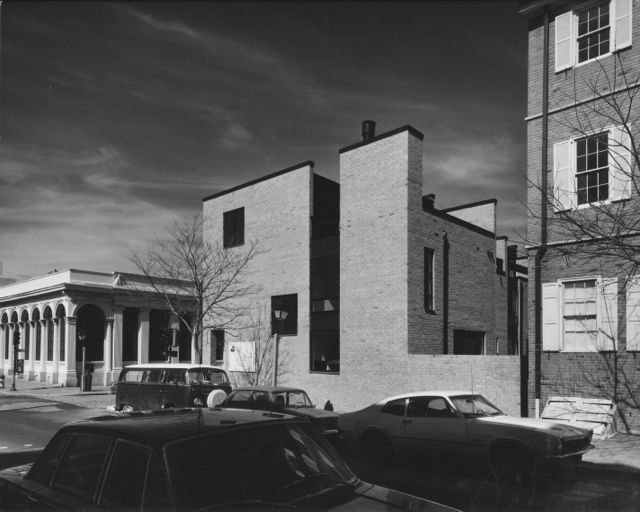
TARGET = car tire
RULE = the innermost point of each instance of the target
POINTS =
(215, 398)
(126, 408)
(375, 447)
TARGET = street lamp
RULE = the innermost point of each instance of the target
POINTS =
(280, 316)
(82, 338)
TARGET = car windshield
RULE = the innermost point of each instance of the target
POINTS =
(473, 406)
(277, 463)
(206, 375)
(292, 399)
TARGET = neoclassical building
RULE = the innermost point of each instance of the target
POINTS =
(116, 316)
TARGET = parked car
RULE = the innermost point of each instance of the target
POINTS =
(163, 385)
(283, 399)
(194, 459)
(458, 424)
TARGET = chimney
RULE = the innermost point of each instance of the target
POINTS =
(368, 130)
(428, 202)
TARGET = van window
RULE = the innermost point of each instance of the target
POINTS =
(152, 376)
(133, 375)
(174, 376)
(209, 375)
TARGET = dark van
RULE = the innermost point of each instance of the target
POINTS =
(162, 386)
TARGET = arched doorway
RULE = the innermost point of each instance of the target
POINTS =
(91, 322)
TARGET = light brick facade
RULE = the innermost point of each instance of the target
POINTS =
(577, 106)
(388, 342)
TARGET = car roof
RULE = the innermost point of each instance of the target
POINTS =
(430, 392)
(160, 427)
(169, 366)
(269, 389)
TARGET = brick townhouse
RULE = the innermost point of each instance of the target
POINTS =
(583, 64)
(385, 293)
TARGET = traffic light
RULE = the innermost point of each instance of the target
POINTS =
(16, 337)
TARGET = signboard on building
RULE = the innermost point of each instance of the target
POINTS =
(242, 356)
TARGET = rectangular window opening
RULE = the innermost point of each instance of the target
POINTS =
(289, 304)
(592, 168)
(429, 305)
(233, 227)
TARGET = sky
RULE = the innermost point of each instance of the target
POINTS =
(117, 118)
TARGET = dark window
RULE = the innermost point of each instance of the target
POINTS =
(63, 337)
(233, 227)
(44, 468)
(27, 343)
(395, 407)
(83, 461)
(325, 284)
(593, 32)
(288, 303)
(125, 480)
(325, 350)
(468, 342)
(38, 340)
(428, 407)
(428, 279)
(592, 168)
(49, 339)
(216, 339)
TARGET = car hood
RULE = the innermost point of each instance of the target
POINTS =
(373, 497)
(558, 429)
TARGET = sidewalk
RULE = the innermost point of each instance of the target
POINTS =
(618, 453)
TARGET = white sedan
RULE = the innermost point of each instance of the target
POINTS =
(458, 424)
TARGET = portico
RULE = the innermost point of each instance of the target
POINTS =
(122, 321)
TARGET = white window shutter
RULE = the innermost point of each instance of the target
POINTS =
(550, 316)
(564, 41)
(621, 14)
(620, 164)
(563, 176)
(608, 314)
(633, 314)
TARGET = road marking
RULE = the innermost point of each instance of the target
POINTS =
(27, 445)
(4, 447)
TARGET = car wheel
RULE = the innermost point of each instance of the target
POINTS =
(126, 408)
(376, 447)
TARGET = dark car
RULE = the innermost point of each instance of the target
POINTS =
(155, 386)
(283, 399)
(194, 459)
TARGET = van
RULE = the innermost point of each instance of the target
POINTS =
(163, 385)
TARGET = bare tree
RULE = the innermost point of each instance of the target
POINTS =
(200, 281)
(256, 365)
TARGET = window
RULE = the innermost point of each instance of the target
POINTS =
(594, 31)
(395, 407)
(591, 169)
(125, 480)
(428, 407)
(325, 284)
(325, 350)
(580, 315)
(233, 227)
(216, 340)
(468, 342)
(428, 280)
(80, 469)
(288, 303)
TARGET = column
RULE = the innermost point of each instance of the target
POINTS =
(32, 349)
(143, 336)
(70, 351)
(43, 348)
(117, 339)
(108, 352)
(56, 347)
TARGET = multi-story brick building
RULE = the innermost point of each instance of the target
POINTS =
(584, 60)
(385, 293)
